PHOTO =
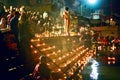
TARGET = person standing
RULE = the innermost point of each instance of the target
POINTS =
(25, 36)
(10, 16)
(66, 17)
(14, 27)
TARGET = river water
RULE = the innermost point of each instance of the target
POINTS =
(100, 70)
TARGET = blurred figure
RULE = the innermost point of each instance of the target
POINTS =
(42, 71)
(2, 10)
(14, 27)
(25, 36)
(3, 47)
(10, 16)
(66, 17)
(3, 23)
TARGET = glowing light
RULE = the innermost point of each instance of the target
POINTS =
(7, 59)
(113, 62)
(48, 55)
(65, 77)
(68, 39)
(82, 68)
(45, 15)
(64, 58)
(38, 39)
(43, 49)
(31, 46)
(111, 19)
(53, 46)
(43, 44)
(67, 54)
(113, 58)
(113, 47)
(74, 41)
(48, 64)
(35, 51)
(59, 69)
(38, 44)
(59, 50)
(32, 40)
(94, 73)
(54, 60)
(109, 62)
(92, 1)
(53, 53)
(65, 65)
(59, 58)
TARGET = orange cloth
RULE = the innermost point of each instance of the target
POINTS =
(66, 16)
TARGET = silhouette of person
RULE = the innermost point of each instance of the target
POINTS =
(14, 27)
(42, 70)
(66, 17)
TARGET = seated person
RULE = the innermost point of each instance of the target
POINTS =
(42, 71)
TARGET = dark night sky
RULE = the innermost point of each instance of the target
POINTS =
(113, 5)
(107, 5)
(116, 6)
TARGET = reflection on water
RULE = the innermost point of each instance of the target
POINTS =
(94, 73)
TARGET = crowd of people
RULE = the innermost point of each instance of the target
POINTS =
(24, 25)
(107, 43)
